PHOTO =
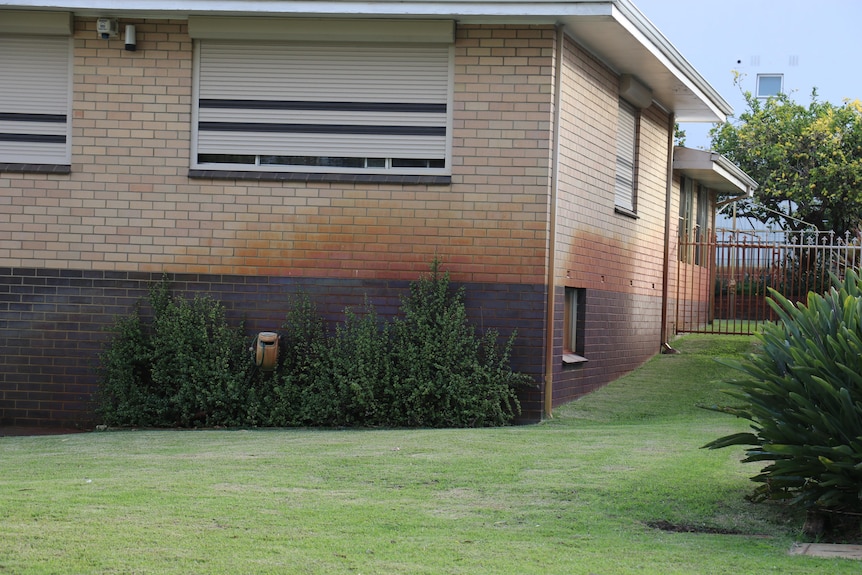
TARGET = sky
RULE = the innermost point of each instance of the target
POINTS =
(814, 44)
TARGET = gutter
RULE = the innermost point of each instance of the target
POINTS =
(747, 180)
(665, 296)
(552, 230)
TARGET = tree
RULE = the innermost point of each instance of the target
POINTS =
(807, 161)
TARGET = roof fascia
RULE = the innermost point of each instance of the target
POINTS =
(548, 9)
(652, 38)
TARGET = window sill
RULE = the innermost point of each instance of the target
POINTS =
(573, 359)
(314, 177)
(61, 169)
(626, 212)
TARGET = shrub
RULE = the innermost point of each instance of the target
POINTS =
(443, 375)
(199, 361)
(360, 370)
(189, 366)
(803, 396)
(125, 392)
(299, 377)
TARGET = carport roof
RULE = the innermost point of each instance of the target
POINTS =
(714, 171)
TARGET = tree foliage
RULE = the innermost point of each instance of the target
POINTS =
(807, 161)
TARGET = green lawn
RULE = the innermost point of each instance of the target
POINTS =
(579, 494)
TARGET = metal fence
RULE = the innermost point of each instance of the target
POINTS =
(724, 279)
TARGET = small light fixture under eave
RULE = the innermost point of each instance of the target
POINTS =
(635, 92)
(107, 28)
(131, 43)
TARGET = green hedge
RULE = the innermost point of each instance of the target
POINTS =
(186, 366)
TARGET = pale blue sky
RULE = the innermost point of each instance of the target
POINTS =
(814, 44)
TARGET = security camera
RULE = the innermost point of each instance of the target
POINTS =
(131, 44)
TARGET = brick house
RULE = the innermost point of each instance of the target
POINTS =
(337, 148)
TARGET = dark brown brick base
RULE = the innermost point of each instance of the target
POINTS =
(52, 327)
(622, 331)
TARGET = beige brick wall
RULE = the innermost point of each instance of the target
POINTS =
(598, 248)
(129, 204)
(502, 144)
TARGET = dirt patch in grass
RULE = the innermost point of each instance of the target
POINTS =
(663, 525)
(836, 532)
(844, 528)
(22, 431)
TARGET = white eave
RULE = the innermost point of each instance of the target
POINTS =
(631, 44)
(714, 171)
(615, 31)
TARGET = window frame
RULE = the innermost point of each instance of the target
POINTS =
(574, 325)
(694, 220)
(38, 132)
(771, 76)
(686, 219)
(686, 210)
(701, 226)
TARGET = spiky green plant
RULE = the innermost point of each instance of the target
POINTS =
(803, 396)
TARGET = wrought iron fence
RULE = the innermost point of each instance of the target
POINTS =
(726, 289)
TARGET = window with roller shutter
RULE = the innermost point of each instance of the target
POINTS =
(368, 107)
(35, 127)
(625, 186)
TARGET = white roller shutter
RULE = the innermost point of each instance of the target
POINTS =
(261, 101)
(624, 189)
(34, 99)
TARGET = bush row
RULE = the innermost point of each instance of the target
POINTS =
(183, 365)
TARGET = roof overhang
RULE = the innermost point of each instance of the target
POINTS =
(620, 35)
(614, 31)
(714, 171)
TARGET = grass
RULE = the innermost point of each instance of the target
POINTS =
(583, 493)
